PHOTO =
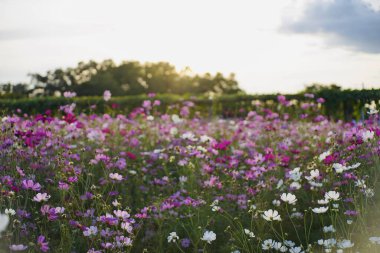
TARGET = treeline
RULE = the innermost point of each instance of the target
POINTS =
(128, 78)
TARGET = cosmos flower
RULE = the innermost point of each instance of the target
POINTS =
(289, 198)
(374, 239)
(106, 95)
(268, 244)
(345, 244)
(249, 233)
(69, 94)
(116, 176)
(321, 209)
(208, 236)
(90, 231)
(29, 184)
(4, 221)
(368, 135)
(10, 211)
(41, 197)
(271, 215)
(332, 196)
(42, 243)
(173, 237)
(18, 247)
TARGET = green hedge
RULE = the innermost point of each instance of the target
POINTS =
(346, 104)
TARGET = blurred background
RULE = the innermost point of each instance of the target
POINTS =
(203, 48)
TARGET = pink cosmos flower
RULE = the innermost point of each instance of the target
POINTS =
(40, 197)
(29, 184)
(44, 246)
(107, 95)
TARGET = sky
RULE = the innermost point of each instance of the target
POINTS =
(271, 45)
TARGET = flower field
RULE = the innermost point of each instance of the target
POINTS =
(276, 180)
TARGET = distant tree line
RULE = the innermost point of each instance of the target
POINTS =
(128, 78)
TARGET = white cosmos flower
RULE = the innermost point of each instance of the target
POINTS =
(173, 237)
(289, 198)
(209, 236)
(271, 215)
(249, 233)
(10, 211)
(329, 229)
(360, 183)
(202, 149)
(372, 111)
(205, 138)
(328, 243)
(267, 244)
(296, 250)
(92, 230)
(279, 247)
(323, 201)
(173, 131)
(374, 239)
(115, 203)
(214, 206)
(371, 107)
(4, 221)
(313, 174)
(332, 195)
(321, 209)
(295, 174)
(116, 176)
(356, 165)
(339, 168)
(176, 119)
(295, 185)
(367, 135)
(40, 197)
(345, 244)
(18, 247)
(289, 243)
(189, 136)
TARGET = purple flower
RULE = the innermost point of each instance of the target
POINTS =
(185, 243)
(29, 184)
(44, 246)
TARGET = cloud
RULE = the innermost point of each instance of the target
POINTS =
(350, 23)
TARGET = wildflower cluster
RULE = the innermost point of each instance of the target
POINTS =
(281, 179)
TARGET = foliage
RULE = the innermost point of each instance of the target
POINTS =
(128, 78)
(339, 104)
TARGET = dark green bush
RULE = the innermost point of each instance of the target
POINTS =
(340, 104)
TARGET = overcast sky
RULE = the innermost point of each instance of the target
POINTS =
(271, 45)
